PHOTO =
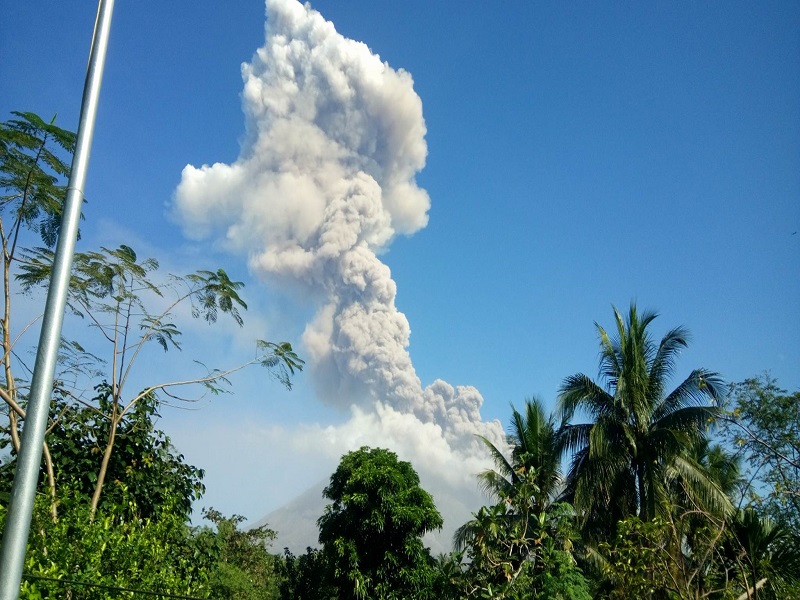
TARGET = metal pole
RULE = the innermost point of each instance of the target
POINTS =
(23, 492)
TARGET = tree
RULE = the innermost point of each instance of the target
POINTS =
(95, 559)
(766, 556)
(244, 569)
(625, 459)
(304, 577)
(149, 478)
(372, 530)
(127, 302)
(512, 552)
(524, 541)
(636, 561)
(103, 435)
(33, 171)
(764, 424)
(536, 450)
(132, 309)
(138, 539)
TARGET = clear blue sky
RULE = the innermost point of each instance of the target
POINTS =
(579, 156)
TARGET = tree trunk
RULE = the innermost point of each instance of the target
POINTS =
(101, 475)
(752, 591)
(51, 480)
(643, 509)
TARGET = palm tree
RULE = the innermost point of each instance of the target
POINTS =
(766, 555)
(505, 543)
(723, 467)
(636, 446)
(535, 457)
(528, 481)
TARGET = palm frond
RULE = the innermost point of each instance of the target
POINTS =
(700, 387)
(701, 489)
(574, 438)
(663, 362)
(580, 392)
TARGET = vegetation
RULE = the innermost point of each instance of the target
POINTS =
(764, 425)
(635, 449)
(129, 306)
(684, 494)
(119, 494)
(371, 532)
(521, 547)
(33, 170)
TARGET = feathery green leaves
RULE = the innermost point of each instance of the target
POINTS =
(33, 175)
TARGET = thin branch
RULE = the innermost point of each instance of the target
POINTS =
(146, 335)
(758, 440)
(207, 379)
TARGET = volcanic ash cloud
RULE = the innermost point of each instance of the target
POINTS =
(325, 181)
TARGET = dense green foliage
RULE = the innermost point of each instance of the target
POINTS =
(244, 567)
(145, 471)
(521, 547)
(371, 532)
(118, 494)
(305, 577)
(111, 551)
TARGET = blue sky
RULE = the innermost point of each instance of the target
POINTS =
(579, 156)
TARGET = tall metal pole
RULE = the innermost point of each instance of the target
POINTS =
(18, 519)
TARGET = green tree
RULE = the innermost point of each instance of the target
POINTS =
(536, 450)
(77, 557)
(764, 424)
(146, 473)
(105, 442)
(524, 541)
(513, 552)
(304, 577)
(695, 537)
(372, 530)
(766, 556)
(635, 562)
(635, 447)
(133, 308)
(244, 569)
(34, 167)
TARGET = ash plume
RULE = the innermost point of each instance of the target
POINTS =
(324, 182)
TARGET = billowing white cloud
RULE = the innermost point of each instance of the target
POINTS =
(324, 182)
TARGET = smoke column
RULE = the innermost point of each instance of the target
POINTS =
(324, 182)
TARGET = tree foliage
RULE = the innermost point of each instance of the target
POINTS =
(132, 309)
(536, 449)
(522, 544)
(146, 472)
(33, 172)
(244, 569)
(627, 458)
(512, 551)
(764, 424)
(305, 577)
(80, 557)
(127, 302)
(764, 556)
(34, 167)
(372, 530)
